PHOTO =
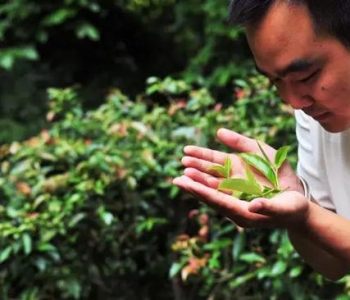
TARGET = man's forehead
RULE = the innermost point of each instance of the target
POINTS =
(282, 25)
(284, 41)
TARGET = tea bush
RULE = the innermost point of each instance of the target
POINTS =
(88, 210)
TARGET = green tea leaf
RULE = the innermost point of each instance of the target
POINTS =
(240, 184)
(219, 169)
(261, 165)
(281, 156)
(271, 192)
(228, 167)
(263, 152)
(251, 177)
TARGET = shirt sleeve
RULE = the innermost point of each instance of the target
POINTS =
(311, 165)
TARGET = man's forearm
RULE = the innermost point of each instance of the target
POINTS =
(321, 261)
(323, 241)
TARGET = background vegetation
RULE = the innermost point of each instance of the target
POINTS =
(97, 101)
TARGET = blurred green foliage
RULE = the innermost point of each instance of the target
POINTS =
(98, 44)
(88, 209)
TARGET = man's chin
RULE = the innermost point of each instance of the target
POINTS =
(335, 127)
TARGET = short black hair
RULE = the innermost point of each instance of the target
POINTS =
(330, 17)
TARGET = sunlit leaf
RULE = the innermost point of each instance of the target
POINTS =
(27, 243)
(240, 184)
(252, 258)
(296, 271)
(6, 61)
(228, 167)
(87, 30)
(219, 169)
(278, 268)
(175, 269)
(107, 218)
(261, 165)
(251, 177)
(5, 254)
(281, 156)
(77, 218)
(240, 280)
(59, 16)
(263, 152)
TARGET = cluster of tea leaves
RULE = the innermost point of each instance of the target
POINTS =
(249, 188)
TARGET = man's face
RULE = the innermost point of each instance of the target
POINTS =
(310, 71)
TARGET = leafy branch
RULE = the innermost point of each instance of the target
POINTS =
(249, 188)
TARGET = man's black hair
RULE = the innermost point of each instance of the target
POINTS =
(330, 17)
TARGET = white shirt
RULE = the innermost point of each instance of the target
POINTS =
(324, 162)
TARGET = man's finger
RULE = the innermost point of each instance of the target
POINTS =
(213, 156)
(202, 177)
(199, 164)
(240, 142)
(227, 204)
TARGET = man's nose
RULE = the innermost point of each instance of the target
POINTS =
(296, 99)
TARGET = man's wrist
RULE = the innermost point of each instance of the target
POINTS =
(306, 188)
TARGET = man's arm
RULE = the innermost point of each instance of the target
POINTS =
(323, 242)
(320, 236)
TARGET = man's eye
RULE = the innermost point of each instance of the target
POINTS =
(304, 80)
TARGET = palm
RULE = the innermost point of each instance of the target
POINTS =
(199, 161)
(287, 208)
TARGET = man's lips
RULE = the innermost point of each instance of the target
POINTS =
(319, 115)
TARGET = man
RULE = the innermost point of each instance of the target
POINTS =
(303, 48)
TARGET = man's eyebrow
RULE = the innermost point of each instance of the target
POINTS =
(298, 65)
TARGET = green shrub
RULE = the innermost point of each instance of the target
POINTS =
(88, 210)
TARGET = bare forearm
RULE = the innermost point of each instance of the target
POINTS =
(324, 242)
(319, 259)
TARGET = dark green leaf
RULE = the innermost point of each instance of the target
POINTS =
(218, 244)
(281, 156)
(246, 196)
(238, 245)
(240, 184)
(46, 247)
